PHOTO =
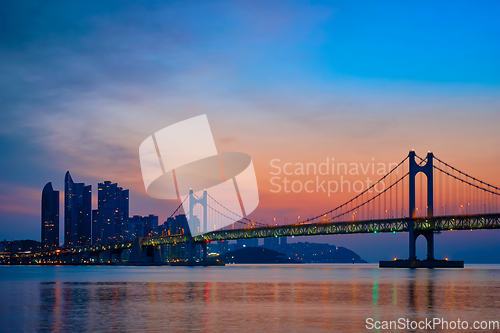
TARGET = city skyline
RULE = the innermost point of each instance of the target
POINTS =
(112, 203)
(299, 83)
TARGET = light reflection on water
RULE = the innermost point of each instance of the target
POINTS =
(242, 298)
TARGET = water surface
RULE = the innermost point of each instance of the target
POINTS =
(239, 298)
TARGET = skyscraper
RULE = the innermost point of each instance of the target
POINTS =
(111, 214)
(50, 217)
(77, 212)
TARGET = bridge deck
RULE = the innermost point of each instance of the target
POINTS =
(474, 222)
(467, 222)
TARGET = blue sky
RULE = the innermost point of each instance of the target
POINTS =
(82, 83)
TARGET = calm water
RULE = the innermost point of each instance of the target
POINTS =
(239, 298)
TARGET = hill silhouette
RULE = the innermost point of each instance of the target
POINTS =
(255, 255)
(302, 252)
(319, 253)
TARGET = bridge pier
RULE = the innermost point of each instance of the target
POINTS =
(429, 236)
(192, 250)
(77, 256)
(155, 253)
(203, 227)
(191, 257)
(116, 255)
(149, 254)
(94, 257)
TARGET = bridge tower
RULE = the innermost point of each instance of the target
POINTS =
(203, 202)
(427, 169)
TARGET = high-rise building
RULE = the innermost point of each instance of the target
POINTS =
(177, 225)
(50, 217)
(109, 220)
(97, 232)
(77, 212)
(151, 226)
(140, 226)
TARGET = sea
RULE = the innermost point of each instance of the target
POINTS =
(247, 298)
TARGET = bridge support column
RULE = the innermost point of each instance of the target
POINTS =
(157, 254)
(412, 262)
(116, 256)
(192, 250)
(119, 256)
(191, 247)
(429, 236)
(203, 227)
(75, 258)
(413, 241)
(94, 257)
(428, 170)
(105, 256)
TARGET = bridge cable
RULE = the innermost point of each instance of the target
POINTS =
(468, 183)
(364, 203)
(175, 211)
(350, 201)
(241, 217)
(463, 173)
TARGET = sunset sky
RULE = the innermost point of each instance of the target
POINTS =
(83, 83)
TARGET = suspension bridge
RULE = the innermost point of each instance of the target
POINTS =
(446, 199)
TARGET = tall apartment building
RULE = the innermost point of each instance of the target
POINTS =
(111, 215)
(77, 212)
(50, 218)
